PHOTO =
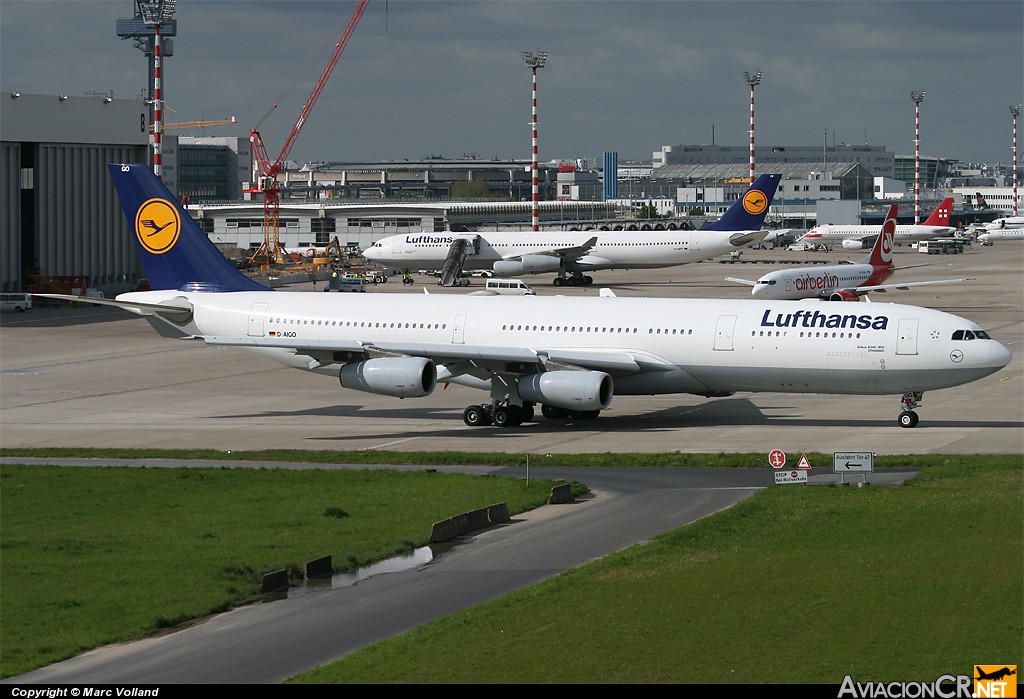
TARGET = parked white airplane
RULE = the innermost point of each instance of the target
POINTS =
(512, 254)
(840, 282)
(571, 355)
(859, 237)
(1008, 233)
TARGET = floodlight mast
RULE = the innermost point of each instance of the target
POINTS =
(918, 97)
(752, 79)
(1015, 111)
(535, 61)
(157, 12)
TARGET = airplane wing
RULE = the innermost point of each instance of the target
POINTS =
(570, 254)
(861, 290)
(741, 281)
(481, 361)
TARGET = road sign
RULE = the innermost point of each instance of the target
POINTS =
(777, 458)
(790, 477)
(853, 462)
(803, 463)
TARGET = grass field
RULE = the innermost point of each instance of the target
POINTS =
(793, 585)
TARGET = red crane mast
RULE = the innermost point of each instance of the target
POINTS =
(270, 251)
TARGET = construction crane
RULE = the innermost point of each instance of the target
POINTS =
(267, 170)
(197, 124)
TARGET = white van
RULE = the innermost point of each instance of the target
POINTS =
(15, 302)
(510, 287)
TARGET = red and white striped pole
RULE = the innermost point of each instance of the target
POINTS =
(918, 97)
(157, 105)
(752, 79)
(535, 61)
(1015, 111)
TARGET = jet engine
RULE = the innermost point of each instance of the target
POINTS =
(402, 377)
(528, 264)
(854, 244)
(844, 296)
(572, 390)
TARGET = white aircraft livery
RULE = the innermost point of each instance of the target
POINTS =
(840, 282)
(570, 356)
(859, 237)
(572, 253)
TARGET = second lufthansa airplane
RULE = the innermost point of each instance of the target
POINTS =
(840, 282)
(571, 255)
(568, 356)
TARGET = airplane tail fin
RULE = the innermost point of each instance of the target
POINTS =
(881, 252)
(940, 217)
(174, 250)
(749, 211)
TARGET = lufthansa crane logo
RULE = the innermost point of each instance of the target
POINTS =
(755, 202)
(157, 226)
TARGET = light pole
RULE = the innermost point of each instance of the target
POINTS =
(535, 61)
(918, 97)
(157, 12)
(1015, 111)
(752, 79)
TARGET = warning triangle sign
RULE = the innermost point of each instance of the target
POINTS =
(804, 463)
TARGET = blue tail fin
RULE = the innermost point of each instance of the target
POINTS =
(174, 250)
(748, 212)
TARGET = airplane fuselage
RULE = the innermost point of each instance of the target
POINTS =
(818, 282)
(649, 346)
(613, 249)
(832, 233)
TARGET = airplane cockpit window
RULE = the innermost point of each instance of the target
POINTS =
(971, 335)
(981, 335)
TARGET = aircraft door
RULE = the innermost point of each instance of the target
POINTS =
(724, 333)
(256, 315)
(907, 340)
(459, 329)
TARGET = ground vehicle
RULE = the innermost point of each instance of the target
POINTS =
(15, 302)
(941, 246)
(346, 283)
(801, 247)
(510, 287)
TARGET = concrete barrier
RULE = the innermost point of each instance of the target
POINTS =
(319, 568)
(448, 529)
(275, 582)
(561, 494)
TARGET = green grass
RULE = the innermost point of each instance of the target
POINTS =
(795, 585)
(92, 556)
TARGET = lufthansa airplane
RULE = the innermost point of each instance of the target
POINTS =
(859, 237)
(840, 282)
(574, 253)
(570, 356)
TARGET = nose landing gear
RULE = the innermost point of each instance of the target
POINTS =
(911, 400)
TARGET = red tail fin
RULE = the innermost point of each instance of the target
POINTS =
(881, 252)
(940, 217)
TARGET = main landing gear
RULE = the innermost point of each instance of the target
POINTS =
(577, 279)
(911, 400)
(514, 415)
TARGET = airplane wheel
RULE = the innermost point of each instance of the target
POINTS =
(559, 281)
(553, 413)
(527, 413)
(908, 418)
(507, 416)
(476, 416)
(588, 280)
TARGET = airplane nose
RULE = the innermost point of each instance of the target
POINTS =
(1000, 355)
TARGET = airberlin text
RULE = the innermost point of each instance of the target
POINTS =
(822, 281)
(945, 687)
(817, 319)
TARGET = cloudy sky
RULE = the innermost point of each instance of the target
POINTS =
(433, 77)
